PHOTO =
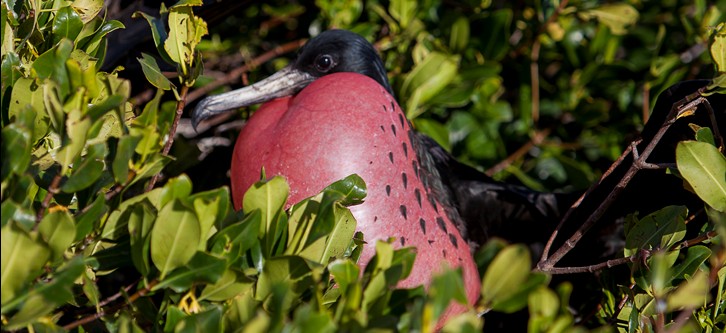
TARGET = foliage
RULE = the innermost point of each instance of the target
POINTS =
(80, 159)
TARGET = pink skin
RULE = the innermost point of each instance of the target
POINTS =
(342, 124)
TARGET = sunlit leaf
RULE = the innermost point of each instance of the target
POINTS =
(174, 237)
(704, 167)
(22, 258)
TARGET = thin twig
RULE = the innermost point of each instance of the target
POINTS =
(534, 61)
(234, 75)
(536, 140)
(690, 102)
(98, 315)
(172, 132)
(576, 204)
(53, 189)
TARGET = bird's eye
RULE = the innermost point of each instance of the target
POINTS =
(324, 63)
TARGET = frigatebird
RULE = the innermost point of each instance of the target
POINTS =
(332, 112)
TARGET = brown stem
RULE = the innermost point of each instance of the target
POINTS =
(536, 140)
(103, 312)
(594, 268)
(690, 102)
(172, 132)
(553, 236)
(236, 74)
(53, 189)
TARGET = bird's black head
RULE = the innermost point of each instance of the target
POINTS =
(336, 51)
(333, 51)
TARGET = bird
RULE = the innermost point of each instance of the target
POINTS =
(332, 112)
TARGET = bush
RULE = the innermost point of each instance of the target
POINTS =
(103, 230)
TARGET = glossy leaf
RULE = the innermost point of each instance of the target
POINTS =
(174, 237)
(704, 167)
(66, 24)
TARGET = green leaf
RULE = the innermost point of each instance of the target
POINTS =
(231, 284)
(51, 64)
(176, 188)
(519, 298)
(23, 255)
(658, 230)
(506, 274)
(124, 157)
(444, 287)
(691, 293)
(97, 43)
(695, 256)
(10, 67)
(45, 297)
(89, 219)
(403, 11)
(211, 206)
(24, 216)
(15, 150)
(269, 198)
(87, 9)
(66, 24)
(427, 79)
(58, 231)
(345, 273)
(140, 219)
(306, 319)
(158, 33)
(77, 128)
(98, 110)
(459, 35)
(718, 47)
(202, 268)
(351, 190)
(174, 237)
(153, 73)
(704, 167)
(285, 270)
(185, 32)
(616, 16)
(209, 320)
(87, 171)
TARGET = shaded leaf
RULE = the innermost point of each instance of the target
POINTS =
(202, 267)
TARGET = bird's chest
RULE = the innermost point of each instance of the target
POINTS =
(343, 124)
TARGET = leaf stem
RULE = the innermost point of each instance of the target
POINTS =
(172, 131)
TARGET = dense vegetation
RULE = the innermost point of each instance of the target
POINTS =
(112, 222)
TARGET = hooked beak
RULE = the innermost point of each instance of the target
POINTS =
(285, 82)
